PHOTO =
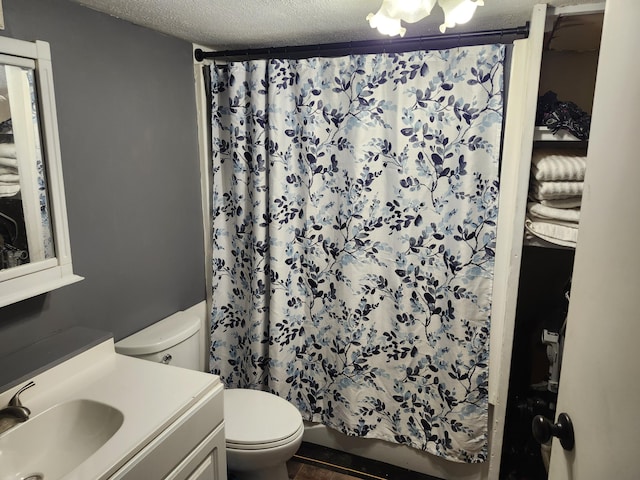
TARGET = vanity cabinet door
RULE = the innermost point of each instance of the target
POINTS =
(212, 467)
(208, 470)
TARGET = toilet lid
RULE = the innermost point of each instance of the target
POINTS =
(256, 418)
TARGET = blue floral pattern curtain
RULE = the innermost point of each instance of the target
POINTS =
(47, 233)
(354, 203)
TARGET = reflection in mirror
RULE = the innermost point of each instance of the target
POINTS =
(25, 225)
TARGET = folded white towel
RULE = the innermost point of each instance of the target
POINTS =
(553, 232)
(8, 162)
(9, 178)
(553, 190)
(8, 150)
(549, 213)
(573, 202)
(555, 221)
(554, 165)
(5, 169)
(9, 190)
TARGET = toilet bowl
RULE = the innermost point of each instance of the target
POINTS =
(262, 430)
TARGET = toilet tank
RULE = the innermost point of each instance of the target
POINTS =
(173, 341)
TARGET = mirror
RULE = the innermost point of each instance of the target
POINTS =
(34, 241)
(25, 226)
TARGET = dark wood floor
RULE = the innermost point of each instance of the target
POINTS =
(303, 471)
(314, 462)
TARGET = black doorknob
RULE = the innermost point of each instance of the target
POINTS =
(543, 430)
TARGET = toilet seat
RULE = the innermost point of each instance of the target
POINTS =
(256, 420)
(264, 446)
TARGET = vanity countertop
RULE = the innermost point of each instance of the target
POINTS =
(151, 396)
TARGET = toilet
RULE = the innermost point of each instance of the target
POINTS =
(262, 430)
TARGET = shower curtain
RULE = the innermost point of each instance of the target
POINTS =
(354, 202)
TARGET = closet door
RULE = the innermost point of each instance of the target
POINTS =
(599, 386)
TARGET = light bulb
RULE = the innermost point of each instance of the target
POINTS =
(410, 11)
(457, 12)
(388, 19)
(385, 24)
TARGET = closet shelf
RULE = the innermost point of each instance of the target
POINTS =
(543, 134)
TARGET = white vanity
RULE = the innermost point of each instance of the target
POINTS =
(100, 415)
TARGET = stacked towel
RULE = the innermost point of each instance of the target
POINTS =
(555, 190)
(557, 182)
(554, 166)
(9, 178)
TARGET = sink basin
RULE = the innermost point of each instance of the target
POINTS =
(98, 415)
(53, 443)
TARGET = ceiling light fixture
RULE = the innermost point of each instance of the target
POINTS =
(392, 12)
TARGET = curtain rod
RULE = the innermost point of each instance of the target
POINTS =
(364, 46)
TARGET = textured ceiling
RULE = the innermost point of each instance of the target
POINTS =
(236, 24)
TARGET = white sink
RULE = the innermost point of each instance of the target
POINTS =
(55, 442)
(96, 412)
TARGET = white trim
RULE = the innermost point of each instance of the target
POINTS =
(516, 160)
(53, 157)
(205, 188)
(570, 10)
(17, 61)
(26, 281)
(506, 213)
(18, 48)
(27, 269)
(28, 286)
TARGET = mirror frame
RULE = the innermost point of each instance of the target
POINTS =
(32, 279)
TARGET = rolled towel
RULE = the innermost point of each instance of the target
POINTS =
(8, 162)
(556, 233)
(9, 190)
(552, 165)
(544, 212)
(8, 150)
(553, 190)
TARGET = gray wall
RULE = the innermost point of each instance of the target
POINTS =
(127, 121)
